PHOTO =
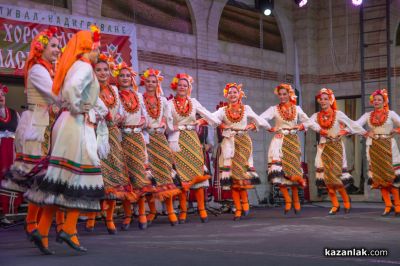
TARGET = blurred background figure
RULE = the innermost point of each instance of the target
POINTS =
(9, 118)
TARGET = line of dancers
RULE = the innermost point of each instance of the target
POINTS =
(84, 143)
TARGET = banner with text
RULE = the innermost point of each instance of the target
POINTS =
(18, 26)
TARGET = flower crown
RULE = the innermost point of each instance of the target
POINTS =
(108, 59)
(95, 36)
(3, 88)
(175, 80)
(329, 92)
(150, 72)
(289, 89)
(43, 38)
(384, 94)
(237, 86)
(116, 71)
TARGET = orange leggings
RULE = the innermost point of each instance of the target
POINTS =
(335, 203)
(68, 227)
(288, 199)
(388, 202)
(241, 201)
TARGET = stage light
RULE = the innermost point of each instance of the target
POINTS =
(265, 6)
(356, 2)
(267, 12)
(301, 3)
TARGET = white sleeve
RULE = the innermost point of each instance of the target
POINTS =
(75, 82)
(41, 80)
(100, 108)
(306, 121)
(168, 113)
(268, 114)
(204, 113)
(395, 118)
(219, 114)
(257, 119)
(351, 125)
(314, 118)
(363, 119)
(142, 107)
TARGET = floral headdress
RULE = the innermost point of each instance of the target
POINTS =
(332, 99)
(175, 80)
(116, 71)
(237, 86)
(290, 91)
(95, 36)
(153, 72)
(3, 88)
(108, 59)
(384, 94)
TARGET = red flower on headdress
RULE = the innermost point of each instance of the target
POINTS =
(152, 72)
(175, 80)
(3, 88)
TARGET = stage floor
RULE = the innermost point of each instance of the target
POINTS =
(266, 236)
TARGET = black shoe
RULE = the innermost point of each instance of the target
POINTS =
(125, 227)
(182, 221)
(333, 212)
(286, 211)
(142, 226)
(397, 214)
(149, 222)
(28, 234)
(204, 220)
(236, 218)
(112, 231)
(109, 230)
(297, 211)
(64, 237)
(347, 210)
(386, 213)
(245, 213)
(173, 223)
(37, 240)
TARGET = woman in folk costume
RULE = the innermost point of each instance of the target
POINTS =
(284, 165)
(9, 118)
(133, 142)
(236, 159)
(382, 152)
(330, 161)
(159, 153)
(116, 181)
(33, 131)
(73, 180)
(221, 194)
(185, 143)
